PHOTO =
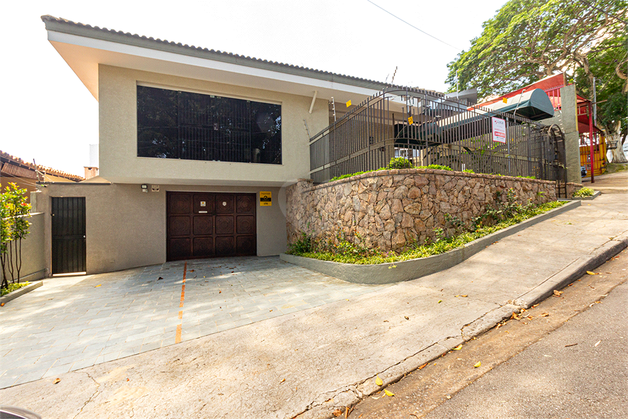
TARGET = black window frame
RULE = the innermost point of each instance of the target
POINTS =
(178, 124)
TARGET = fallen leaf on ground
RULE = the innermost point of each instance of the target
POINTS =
(457, 348)
(464, 295)
(593, 273)
(440, 301)
(159, 278)
(282, 380)
(98, 285)
(389, 393)
(379, 381)
(337, 412)
(598, 342)
(406, 317)
(557, 293)
(56, 381)
(423, 366)
(478, 365)
(544, 314)
(515, 316)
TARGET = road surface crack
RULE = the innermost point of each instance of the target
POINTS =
(90, 397)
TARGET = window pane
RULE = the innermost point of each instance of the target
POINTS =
(192, 126)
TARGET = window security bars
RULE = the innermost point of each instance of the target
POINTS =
(427, 128)
(192, 126)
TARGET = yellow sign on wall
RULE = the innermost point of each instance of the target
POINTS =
(410, 120)
(265, 199)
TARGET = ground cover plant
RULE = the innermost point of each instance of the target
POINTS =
(583, 193)
(403, 163)
(13, 286)
(456, 234)
(395, 163)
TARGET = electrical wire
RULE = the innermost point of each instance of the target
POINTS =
(411, 25)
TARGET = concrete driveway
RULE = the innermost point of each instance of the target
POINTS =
(75, 322)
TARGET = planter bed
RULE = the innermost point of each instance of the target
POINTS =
(386, 273)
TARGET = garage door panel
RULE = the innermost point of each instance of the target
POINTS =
(203, 225)
(179, 226)
(225, 246)
(203, 247)
(246, 245)
(225, 224)
(225, 204)
(179, 204)
(204, 203)
(245, 204)
(245, 224)
(179, 248)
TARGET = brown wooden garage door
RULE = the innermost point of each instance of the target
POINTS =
(202, 225)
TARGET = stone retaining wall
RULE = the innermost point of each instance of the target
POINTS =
(391, 209)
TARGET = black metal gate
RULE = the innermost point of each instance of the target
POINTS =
(68, 235)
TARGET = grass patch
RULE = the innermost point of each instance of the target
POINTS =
(13, 287)
(356, 253)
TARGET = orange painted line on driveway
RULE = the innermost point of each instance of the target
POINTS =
(177, 338)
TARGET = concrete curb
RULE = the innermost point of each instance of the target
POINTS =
(353, 394)
(573, 271)
(387, 273)
(13, 295)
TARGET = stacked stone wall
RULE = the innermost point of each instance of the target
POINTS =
(392, 209)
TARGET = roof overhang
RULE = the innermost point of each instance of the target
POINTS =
(84, 48)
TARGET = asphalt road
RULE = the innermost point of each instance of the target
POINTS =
(578, 371)
(565, 358)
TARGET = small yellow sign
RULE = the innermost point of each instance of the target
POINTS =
(265, 199)
(410, 120)
(348, 104)
(505, 100)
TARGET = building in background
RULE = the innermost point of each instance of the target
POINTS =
(26, 175)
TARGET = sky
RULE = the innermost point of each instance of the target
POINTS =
(49, 116)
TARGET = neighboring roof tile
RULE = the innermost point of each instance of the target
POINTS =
(67, 26)
(8, 158)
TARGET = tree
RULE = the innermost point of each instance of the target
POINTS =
(528, 40)
(612, 111)
(13, 229)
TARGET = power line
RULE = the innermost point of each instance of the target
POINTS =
(411, 25)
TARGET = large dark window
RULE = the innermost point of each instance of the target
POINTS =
(183, 125)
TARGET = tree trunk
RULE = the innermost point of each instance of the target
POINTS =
(618, 153)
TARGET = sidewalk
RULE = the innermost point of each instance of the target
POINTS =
(311, 362)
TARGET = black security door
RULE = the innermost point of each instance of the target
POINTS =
(68, 235)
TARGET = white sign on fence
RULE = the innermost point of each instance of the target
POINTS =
(499, 130)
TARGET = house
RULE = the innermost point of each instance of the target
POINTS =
(196, 146)
(26, 175)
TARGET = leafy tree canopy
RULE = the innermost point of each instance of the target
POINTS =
(531, 39)
(528, 40)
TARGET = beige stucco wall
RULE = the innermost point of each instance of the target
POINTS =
(33, 261)
(126, 227)
(118, 134)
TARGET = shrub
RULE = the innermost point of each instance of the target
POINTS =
(399, 163)
(436, 167)
(304, 244)
(583, 193)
